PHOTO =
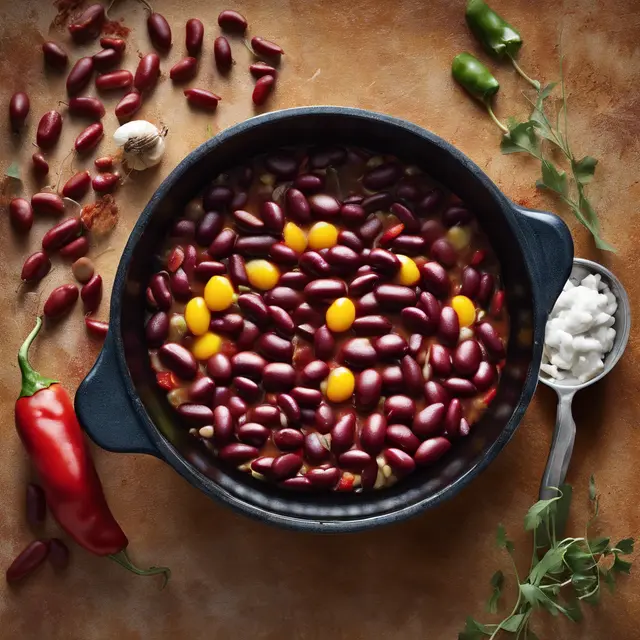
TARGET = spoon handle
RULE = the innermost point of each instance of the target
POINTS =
(561, 448)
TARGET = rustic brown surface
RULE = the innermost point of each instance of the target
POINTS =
(235, 578)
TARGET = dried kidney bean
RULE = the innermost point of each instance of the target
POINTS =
(40, 165)
(49, 129)
(147, 72)
(60, 301)
(194, 36)
(113, 80)
(222, 54)
(18, 109)
(89, 138)
(91, 293)
(263, 88)
(266, 47)
(75, 249)
(29, 559)
(80, 75)
(47, 203)
(159, 31)
(202, 98)
(89, 25)
(58, 553)
(60, 234)
(87, 107)
(128, 106)
(184, 70)
(35, 267)
(105, 182)
(113, 43)
(107, 59)
(21, 214)
(259, 69)
(104, 163)
(77, 186)
(232, 21)
(54, 55)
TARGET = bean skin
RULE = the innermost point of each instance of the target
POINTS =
(49, 129)
(147, 73)
(79, 76)
(89, 24)
(266, 48)
(431, 450)
(113, 80)
(54, 55)
(29, 559)
(232, 21)
(35, 267)
(106, 59)
(184, 70)
(222, 54)
(343, 433)
(176, 358)
(18, 109)
(401, 463)
(60, 301)
(21, 214)
(427, 422)
(86, 107)
(259, 69)
(159, 31)
(75, 249)
(373, 434)
(128, 106)
(202, 99)
(263, 88)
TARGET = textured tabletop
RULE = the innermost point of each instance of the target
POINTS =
(235, 578)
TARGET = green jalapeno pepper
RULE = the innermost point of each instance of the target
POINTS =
(473, 76)
(497, 36)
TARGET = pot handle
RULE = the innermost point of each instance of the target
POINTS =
(549, 249)
(104, 409)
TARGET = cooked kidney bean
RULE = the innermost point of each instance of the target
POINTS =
(485, 288)
(121, 79)
(29, 559)
(232, 21)
(21, 214)
(285, 363)
(91, 293)
(128, 106)
(262, 89)
(89, 25)
(490, 339)
(77, 186)
(179, 360)
(106, 59)
(184, 70)
(49, 129)
(431, 450)
(400, 436)
(35, 267)
(427, 422)
(159, 31)
(400, 462)
(18, 109)
(194, 36)
(399, 408)
(196, 414)
(40, 165)
(54, 55)
(202, 99)
(60, 301)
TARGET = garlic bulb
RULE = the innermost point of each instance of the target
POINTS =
(143, 143)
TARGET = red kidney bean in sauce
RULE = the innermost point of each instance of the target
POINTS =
(417, 378)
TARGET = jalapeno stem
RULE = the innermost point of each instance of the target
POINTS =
(534, 83)
(123, 560)
(493, 117)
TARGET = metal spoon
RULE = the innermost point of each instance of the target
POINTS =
(565, 431)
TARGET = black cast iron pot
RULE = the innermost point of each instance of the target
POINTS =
(123, 410)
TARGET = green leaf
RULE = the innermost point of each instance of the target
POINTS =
(577, 559)
(592, 488)
(551, 561)
(583, 583)
(474, 630)
(589, 213)
(572, 610)
(522, 138)
(553, 179)
(512, 623)
(584, 169)
(537, 598)
(598, 545)
(502, 541)
(625, 546)
(620, 565)
(497, 582)
(13, 171)
(539, 512)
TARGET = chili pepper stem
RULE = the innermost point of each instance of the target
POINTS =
(493, 117)
(534, 83)
(32, 381)
(124, 561)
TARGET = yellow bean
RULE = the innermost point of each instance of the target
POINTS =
(294, 237)
(197, 316)
(409, 273)
(218, 294)
(206, 346)
(340, 315)
(340, 384)
(322, 235)
(465, 309)
(262, 274)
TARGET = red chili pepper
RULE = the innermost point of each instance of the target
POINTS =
(489, 396)
(51, 434)
(345, 484)
(166, 380)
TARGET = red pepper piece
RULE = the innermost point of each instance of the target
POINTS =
(51, 434)
(489, 396)
(391, 234)
(166, 380)
(345, 484)
(478, 257)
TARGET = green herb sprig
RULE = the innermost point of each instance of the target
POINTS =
(564, 572)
